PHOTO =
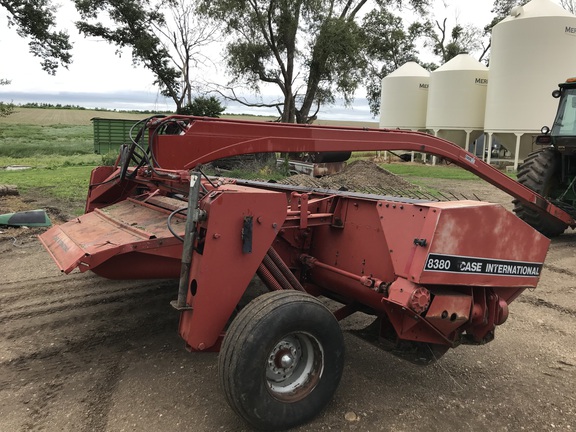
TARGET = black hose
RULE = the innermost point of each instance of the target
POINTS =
(169, 222)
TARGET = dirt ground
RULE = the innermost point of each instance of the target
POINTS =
(81, 353)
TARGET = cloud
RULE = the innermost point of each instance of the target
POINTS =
(123, 100)
(150, 101)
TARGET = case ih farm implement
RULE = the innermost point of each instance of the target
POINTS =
(433, 275)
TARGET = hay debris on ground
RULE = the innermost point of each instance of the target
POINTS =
(358, 176)
(8, 190)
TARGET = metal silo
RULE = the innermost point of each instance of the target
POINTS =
(457, 100)
(532, 51)
(404, 97)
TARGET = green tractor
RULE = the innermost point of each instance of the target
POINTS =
(551, 171)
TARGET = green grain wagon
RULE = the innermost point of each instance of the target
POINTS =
(110, 134)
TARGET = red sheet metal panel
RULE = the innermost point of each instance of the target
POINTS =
(63, 250)
(118, 231)
(240, 226)
(463, 243)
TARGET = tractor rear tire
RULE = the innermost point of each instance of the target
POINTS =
(326, 157)
(281, 360)
(540, 172)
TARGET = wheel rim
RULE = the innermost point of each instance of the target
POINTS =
(294, 367)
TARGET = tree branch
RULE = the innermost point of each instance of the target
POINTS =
(243, 101)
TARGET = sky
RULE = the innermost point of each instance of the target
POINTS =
(98, 77)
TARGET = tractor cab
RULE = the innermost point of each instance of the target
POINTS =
(562, 135)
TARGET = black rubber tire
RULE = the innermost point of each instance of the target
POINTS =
(264, 333)
(540, 172)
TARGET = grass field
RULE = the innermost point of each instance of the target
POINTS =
(58, 145)
(77, 117)
(72, 117)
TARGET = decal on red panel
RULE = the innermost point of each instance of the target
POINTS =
(475, 265)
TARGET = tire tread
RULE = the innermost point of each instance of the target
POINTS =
(240, 329)
(537, 172)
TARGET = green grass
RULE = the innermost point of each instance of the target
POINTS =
(52, 161)
(438, 171)
(61, 155)
(441, 171)
(69, 184)
(450, 172)
(33, 141)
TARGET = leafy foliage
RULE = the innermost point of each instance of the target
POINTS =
(133, 29)
(501, 10)
(204, 106)
(312, 51)
(169, 48)
(5, 108)
(388, 45)
(35, 19)
(447, 44)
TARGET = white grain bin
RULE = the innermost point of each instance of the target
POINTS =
(532, 51)
(457, 100)
(404, 97)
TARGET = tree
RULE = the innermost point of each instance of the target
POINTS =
(5, 108)
(35, 19)
(501, 9)
(447, 44)
(311, 51)
(204, 106)
(165, 37)
(569, 5)
(184, 39)
(388, 45)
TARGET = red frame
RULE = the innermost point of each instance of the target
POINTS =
(369, 253)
